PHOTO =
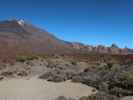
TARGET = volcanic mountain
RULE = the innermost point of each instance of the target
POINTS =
(17, 36)
(20, 37)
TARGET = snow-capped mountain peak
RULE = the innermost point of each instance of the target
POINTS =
(21, 22)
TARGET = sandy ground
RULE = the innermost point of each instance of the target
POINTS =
(37, 89)
(127, 98)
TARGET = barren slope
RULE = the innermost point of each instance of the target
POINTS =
(25, 38)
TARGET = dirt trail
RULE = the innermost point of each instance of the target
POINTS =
(36, 89)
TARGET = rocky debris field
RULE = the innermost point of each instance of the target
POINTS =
(110, 79)
(54, 69)
(97, 96)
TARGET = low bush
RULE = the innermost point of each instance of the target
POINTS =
(23, 58)
(73, 62)
(64, 98)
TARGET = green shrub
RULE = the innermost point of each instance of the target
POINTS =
(23, 58)
(115, 67)
(99, 96)
(64, 98)
(102, 65)
(61, 98)
(128, 78)
(73, 62)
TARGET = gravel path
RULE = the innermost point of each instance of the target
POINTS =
(37, 89)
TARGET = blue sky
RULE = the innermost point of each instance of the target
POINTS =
(87, 21)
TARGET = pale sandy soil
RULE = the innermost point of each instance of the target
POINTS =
(36, 89)
(127, 98)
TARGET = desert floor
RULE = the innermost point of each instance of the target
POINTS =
(37, 89)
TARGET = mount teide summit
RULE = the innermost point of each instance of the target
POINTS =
(17, 36)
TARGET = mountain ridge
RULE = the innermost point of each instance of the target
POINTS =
(17, 36)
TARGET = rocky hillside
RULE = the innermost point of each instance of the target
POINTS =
(19, 37)
(113, 49)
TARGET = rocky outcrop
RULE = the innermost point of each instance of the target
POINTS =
(113, 49)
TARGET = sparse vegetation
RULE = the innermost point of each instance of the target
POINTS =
(107, 77)
(64, 98)
(114, 79)
(23, 58)
(73, 62)
(97, 96)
